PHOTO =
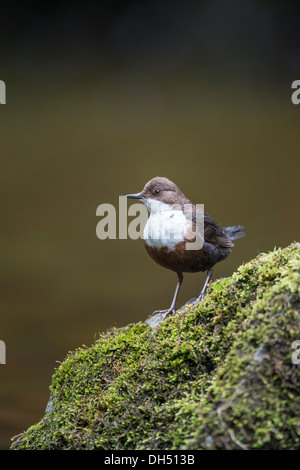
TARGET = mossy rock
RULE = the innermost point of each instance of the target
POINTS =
(218, 375)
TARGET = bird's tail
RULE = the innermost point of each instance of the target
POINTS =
(234, 232)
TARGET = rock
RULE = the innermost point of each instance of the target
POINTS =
(217, 375)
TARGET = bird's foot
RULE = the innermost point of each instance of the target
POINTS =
(158, 317)
(165, 313)
(200, 298)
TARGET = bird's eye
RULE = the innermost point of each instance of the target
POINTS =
(157, 191)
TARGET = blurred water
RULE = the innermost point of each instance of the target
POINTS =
(65, 152)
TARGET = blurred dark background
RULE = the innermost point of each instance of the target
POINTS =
(101, 97)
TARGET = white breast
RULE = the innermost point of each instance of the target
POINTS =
(165, 227)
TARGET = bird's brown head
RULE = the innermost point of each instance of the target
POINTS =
(160, 190)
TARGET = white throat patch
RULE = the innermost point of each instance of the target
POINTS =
(165, 227)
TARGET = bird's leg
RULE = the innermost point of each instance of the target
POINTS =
(173, 305)
(202, 293)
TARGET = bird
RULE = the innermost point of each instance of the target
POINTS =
(173, 225)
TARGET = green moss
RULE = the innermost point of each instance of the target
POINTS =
(218, 375)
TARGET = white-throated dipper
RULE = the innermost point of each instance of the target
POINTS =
(173, 223)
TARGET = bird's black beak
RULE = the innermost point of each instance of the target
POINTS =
(135, 196)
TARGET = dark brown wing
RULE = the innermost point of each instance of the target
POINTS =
(214, 234)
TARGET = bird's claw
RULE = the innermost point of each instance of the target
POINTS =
(200, 298)
(166, 313)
